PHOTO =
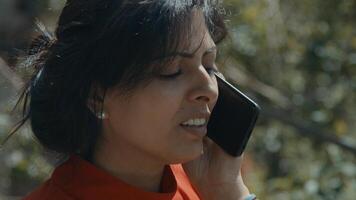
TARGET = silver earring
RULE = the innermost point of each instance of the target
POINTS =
(101, 115)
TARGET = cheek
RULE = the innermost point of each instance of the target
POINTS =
(150, 115)
(160, 107)
(150, 122)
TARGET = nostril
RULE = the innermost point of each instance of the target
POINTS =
(203, 98)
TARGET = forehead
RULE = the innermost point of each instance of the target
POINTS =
(198, 37)
(193, 39)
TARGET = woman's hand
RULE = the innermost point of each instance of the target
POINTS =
(216, 174)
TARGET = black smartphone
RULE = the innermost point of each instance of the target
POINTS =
(232, 119)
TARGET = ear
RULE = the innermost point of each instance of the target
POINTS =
(95, 102)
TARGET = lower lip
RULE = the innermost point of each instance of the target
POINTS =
(199, 131)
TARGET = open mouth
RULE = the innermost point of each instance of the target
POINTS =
(199, 131)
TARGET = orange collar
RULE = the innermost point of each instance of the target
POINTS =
(82, 180)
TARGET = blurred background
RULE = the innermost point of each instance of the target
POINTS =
(297, 59)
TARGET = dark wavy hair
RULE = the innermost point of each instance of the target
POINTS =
(105, 43)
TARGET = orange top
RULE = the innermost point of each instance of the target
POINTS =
(80, 180)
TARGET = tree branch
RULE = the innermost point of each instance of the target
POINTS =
(304, 127)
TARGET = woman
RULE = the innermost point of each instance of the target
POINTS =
(125, 90)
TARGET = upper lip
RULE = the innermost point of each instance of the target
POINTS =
(204, 115)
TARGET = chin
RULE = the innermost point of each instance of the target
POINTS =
(187, 155)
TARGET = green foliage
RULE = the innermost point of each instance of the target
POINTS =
(306, 51)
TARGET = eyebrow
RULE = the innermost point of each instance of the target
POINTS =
(191, 55)
(186, 54)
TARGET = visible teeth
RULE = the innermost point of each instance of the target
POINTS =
(195, 122)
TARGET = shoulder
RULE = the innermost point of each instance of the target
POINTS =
(52, 189)
(48, 191)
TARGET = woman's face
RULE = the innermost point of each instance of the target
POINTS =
(150, 121)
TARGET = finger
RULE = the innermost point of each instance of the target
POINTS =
(217, 154)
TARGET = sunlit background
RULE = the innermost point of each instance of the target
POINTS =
(297, 59)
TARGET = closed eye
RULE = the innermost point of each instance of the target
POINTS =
(210, 71)
(171, 76)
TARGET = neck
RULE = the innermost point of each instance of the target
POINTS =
(129, 165)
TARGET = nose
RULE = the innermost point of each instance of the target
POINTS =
(205, 88)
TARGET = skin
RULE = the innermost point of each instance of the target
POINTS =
(142, 134)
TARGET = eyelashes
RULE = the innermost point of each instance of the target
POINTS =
(170, 76)
(210, 71)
